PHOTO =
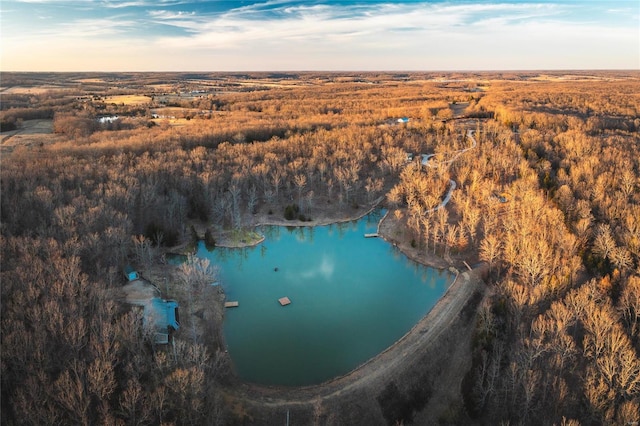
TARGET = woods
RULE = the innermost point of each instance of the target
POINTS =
(547, 193)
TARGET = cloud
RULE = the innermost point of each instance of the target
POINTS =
(80, 30)
(99, 27)
(325, 269)
(106, 3)
(144, 3)
(282, 22)
(297, 35)
(169, 15)
(184, 20)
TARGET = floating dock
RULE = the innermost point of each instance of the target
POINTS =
(374, 235)
(233, 304)
(284, 301)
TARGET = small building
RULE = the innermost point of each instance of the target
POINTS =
(108, 119)
(162, 315)
(130, 273)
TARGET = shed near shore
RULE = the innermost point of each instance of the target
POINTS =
(284, 301)
(130, 273)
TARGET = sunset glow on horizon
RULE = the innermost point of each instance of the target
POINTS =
(295, 35)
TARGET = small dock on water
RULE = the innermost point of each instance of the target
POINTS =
(232, 304)
(372, 235)
(284, 301)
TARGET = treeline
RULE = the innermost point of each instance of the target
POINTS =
(550, 199)
(558, 342)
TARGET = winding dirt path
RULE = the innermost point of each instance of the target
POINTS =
(452, 183)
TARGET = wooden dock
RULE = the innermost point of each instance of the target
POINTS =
(374, 235)
(284, 301)
(233, 304)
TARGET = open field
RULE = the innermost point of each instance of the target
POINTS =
(31, 127)
(128, 99)
(30, 90)
(31, 133)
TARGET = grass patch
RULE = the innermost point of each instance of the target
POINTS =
(244, 236)
(128, 99)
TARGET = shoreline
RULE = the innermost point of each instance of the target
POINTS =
(398, 360)
(395, 361)
(319, 222)
(432, 324)
(384, 232)
(371, 360)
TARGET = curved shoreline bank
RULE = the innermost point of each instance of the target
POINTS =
(319, 222)
(262, 221)
(425, 349)
(383, 231)
(394, 361)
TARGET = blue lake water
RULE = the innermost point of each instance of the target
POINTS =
(351, 298)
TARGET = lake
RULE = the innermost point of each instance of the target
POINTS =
(351, 298)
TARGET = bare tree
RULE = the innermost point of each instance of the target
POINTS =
(604, 243)
(235, 191)
(301, 182)
(490, 249)
(629, 304)
(252, 199)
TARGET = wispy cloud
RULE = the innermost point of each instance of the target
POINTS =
(327, 34)
(99, 27)
(106, 3)
(324, 269)
(335, 23)
(143, 3)
(169, 15)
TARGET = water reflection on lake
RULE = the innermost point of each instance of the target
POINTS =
(351, 297)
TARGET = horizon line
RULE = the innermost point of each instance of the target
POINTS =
(327, 71)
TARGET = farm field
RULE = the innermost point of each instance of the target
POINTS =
(30, 134)
(128, 99)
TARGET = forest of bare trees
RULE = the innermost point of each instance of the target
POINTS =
(549, 198)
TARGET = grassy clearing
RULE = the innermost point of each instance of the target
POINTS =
(128, 99)
(244, 236)
(31, 90)
(28, 132)
(174, 122)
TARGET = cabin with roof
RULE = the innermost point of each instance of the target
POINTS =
(162, 315)
(159, 316)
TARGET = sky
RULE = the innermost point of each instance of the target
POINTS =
(318, 35)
